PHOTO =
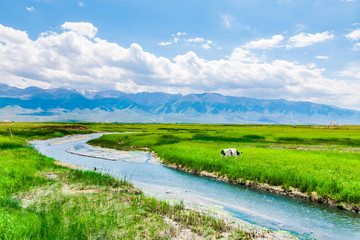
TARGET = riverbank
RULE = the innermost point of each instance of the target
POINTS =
(292, 192)
(230, 224)
(231, 227)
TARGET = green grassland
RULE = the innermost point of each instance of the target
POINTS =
(42, 200)
(320, 159)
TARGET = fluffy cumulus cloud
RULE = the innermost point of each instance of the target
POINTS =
(205, 44)
(81, 28)
(307, 39)
(354, 35)
(11, 36)
(265, 43)
(76, 58)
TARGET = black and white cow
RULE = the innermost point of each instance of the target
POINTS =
(230, 152)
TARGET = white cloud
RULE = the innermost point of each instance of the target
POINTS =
(81, 4)
(322, 57)
(356, 46)
(72, 59)
(205, 44)
(242, 55)
(164, 43)
(177, 36)
(299, 27)
(311, 65)
(180, 34)
(354, 35)
(352, 71)
(82, 28)
(195, 42)
(11, 36)
(226, 20)
(307, 39)
(265, 43)
(30, 9)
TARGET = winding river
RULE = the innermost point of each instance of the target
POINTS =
(302, 218)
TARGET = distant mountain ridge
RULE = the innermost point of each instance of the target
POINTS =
(36, 104)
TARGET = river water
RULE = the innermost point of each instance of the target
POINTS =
(302, 218)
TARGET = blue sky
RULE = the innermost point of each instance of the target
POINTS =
(296, 50)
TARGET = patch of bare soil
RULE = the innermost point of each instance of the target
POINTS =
(66, 189)
(180, 232)
(231, 224)
(68, 165)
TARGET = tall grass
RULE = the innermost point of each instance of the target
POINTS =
(328, 173)
(19, 165)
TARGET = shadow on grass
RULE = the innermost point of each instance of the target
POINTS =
(190, 130)
(4, 146)
(167, 139)
(246, 138)
(174, 129)
(9, 202)
(315, 141)
(45, 132)
(290, 140)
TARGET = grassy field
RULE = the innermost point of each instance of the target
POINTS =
(42, 200)
(320, 159)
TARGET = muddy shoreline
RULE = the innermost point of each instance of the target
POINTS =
(292, 192)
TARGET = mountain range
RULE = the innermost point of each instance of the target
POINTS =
(37, 104)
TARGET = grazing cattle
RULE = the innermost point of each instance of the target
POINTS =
(230, 152)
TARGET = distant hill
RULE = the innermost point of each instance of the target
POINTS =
(36, 104)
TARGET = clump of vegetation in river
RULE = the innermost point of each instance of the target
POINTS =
(42, 200)
(317, 159)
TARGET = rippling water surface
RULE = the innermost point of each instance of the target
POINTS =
(303, 218)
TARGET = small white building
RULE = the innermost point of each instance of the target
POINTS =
(335, 124)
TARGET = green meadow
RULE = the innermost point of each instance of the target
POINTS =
(42, 200)
(320, 159)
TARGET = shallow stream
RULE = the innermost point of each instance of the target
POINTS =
(302, 218)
